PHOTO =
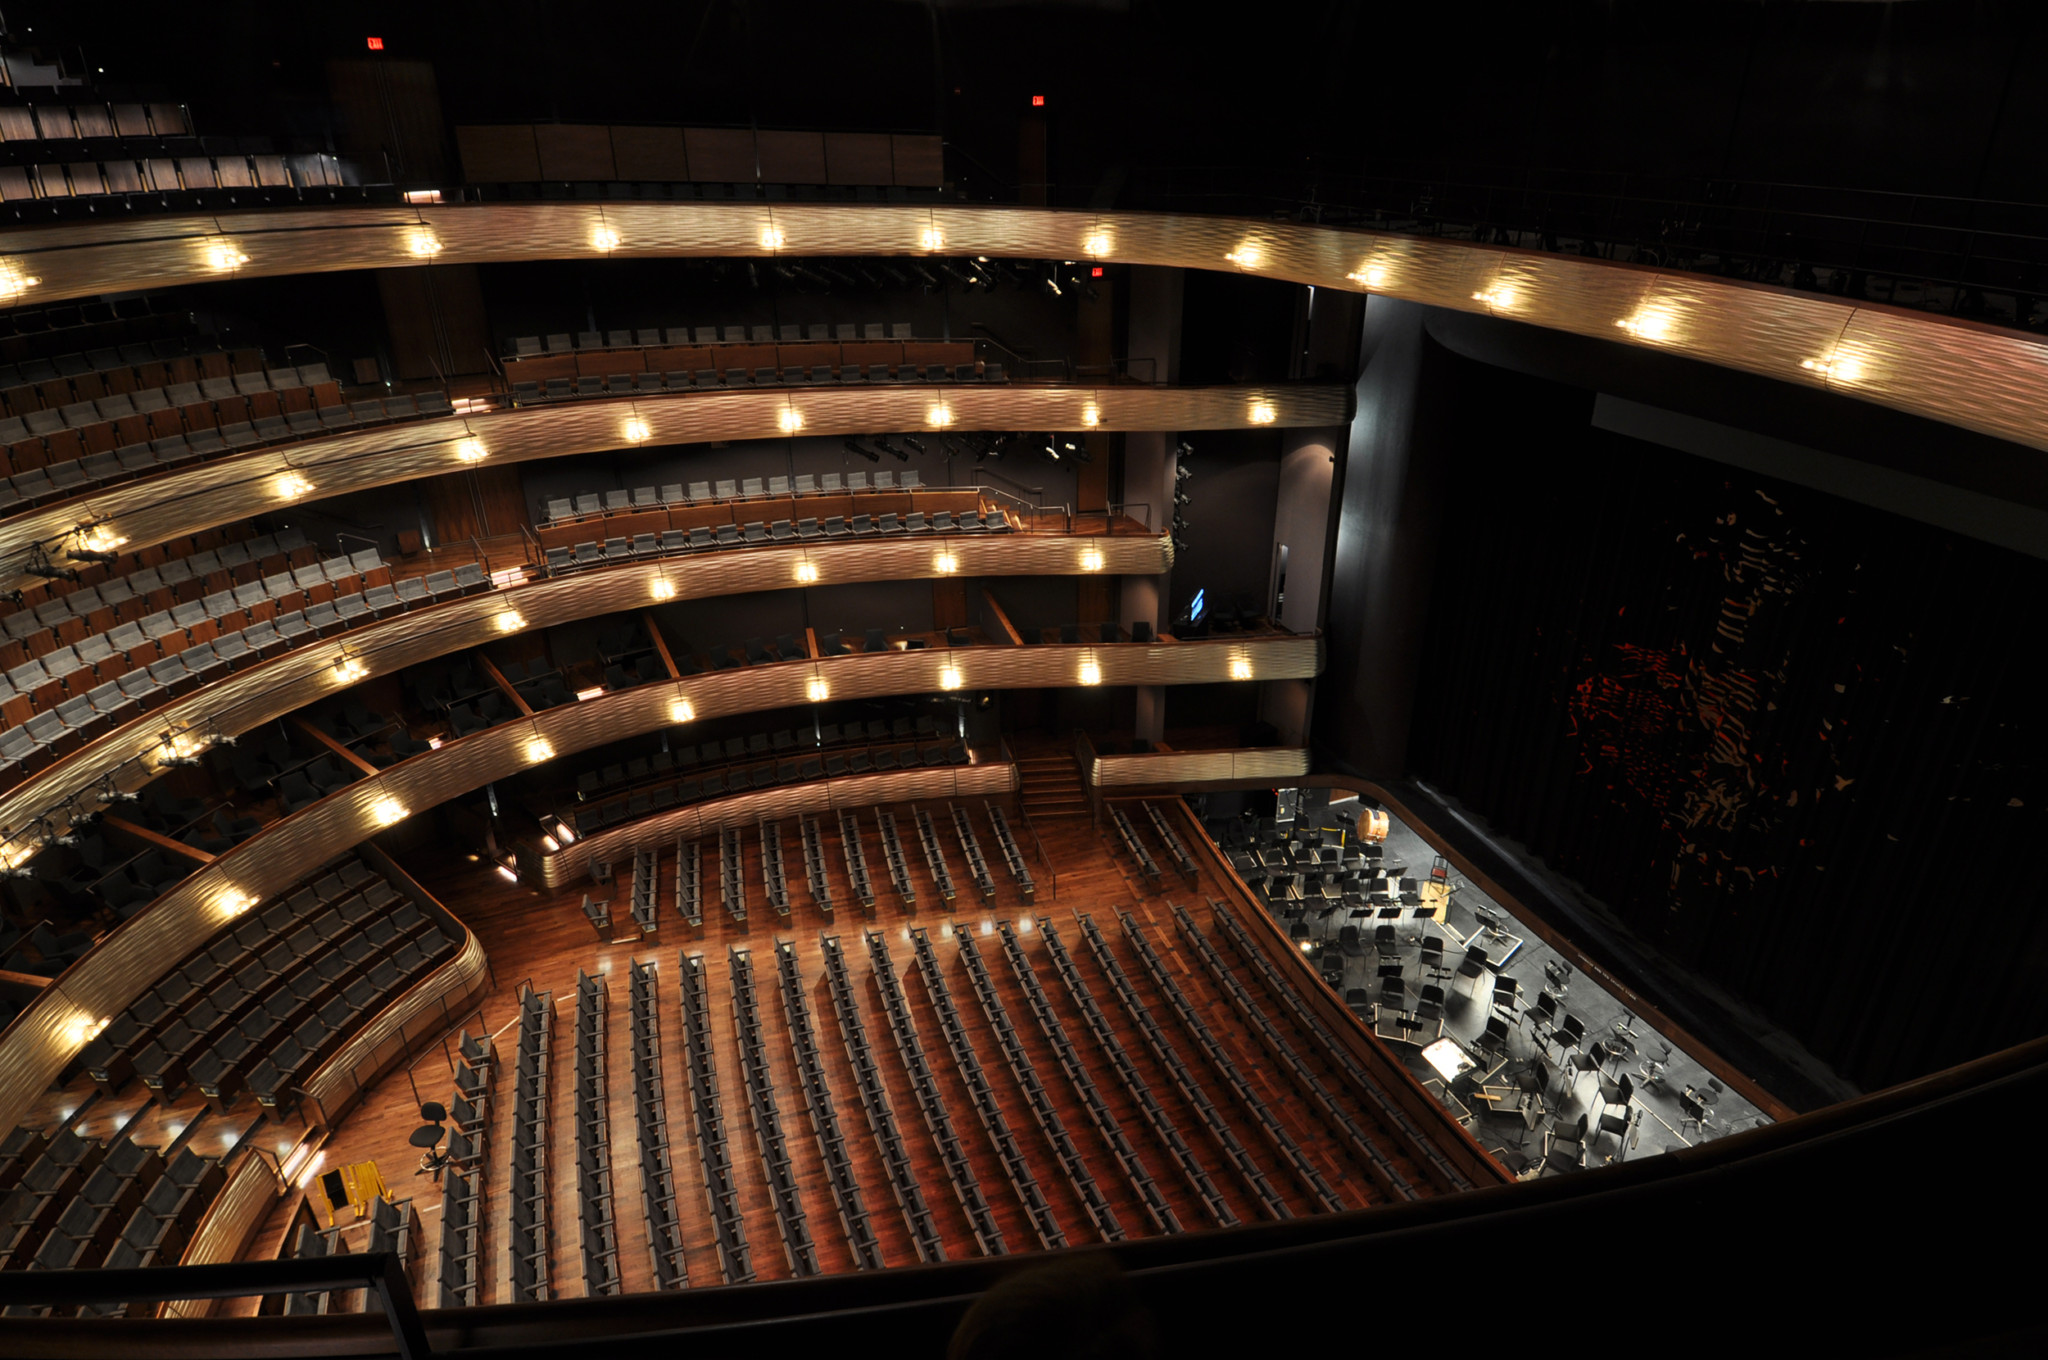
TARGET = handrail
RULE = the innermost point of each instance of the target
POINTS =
(383, 1272)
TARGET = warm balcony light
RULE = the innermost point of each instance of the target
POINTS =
(13, 283)
(539, 749)
(509, 621)
(1096, 244)
(101, 538)
(939, 416)
(945, 564)
(83, 1028)
(1246, 256)
(508, 873)
(291, 487)
(791, 420)
(350, 669)
(680, 711)
(1653, 323)
(1091, 415)
(424, 244)
(1262, 413)
(949, 677)
(1091, 673)
(1843, 367)
(1091, 559)
(1370, 275)
(807, 572)
(663, 588)
(388, 811)
(584, 696)
(1496, 297)
(772, 238)
(233, 902)
(223, 255)
(816, 690)
(932, 239)
(1240, 668)
(637, 431)
(471, 450)
(604, 238)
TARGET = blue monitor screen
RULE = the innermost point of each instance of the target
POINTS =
(1195, 609)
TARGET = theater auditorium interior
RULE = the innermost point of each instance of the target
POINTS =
(744, 677)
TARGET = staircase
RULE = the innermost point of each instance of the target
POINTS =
(1050, 787)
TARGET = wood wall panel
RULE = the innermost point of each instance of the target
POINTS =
(1982, 378)
(158, 508)
(1194, 767)
(857, 791)
(47, 1035)
(262, 693)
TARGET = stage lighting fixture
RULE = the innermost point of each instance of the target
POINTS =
(917, 445)
(851, 447)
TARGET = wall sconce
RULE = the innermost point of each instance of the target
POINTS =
(1091, 673)
(637, 431)
(539, 749)
(681, 711)
(424, 244)
(1262, 413)
(932, 239)
(662, 588)
(291, 487)
(945, 564)
(791, 420)
(388, 811)
(949, 676)
(1096, 243)
(509, 621)
(605, 239)
(1240, 668)
(772, 238)
(223, 255)
(1091, 559)
(471, 451)
(1246, 256)
(939, 417)
(816, 690)
(807, 573)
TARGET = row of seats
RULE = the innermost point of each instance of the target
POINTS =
(721, 1192)
(593, 1144)
(765, 774)
(899, 863)
(1128, 835)
(534, 390)
(463, 1176)
(981, 1219)
(840, 1177)
(68, 460)
(654, 337)
(1224, 1066)
(204, 647)
(270, 992)
(856, 859)
(689, 882)
(874, 1103)
(81, 1204)
(136, 588)
(620, 501)
(160, 351)
(646, 875)
(532, 1234)
(91, 121)
(934, 853)
(1176, 852)
(754, 533)
(1390, 1178)
(773, 873)
(392, 1226)
(223, 180)
(338, 592)
(1025, 1073)
(813, 838)
(732, 873)
(970, 846)
(1157, 1207)
(791, 1222)
(49, 383)
(1013, 854)
(613, 777)
(982, 1096)
(650, 1119)
(91, 401)
(1155, 1115)
(1420, 1147)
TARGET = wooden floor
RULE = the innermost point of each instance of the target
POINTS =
(546, 940)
